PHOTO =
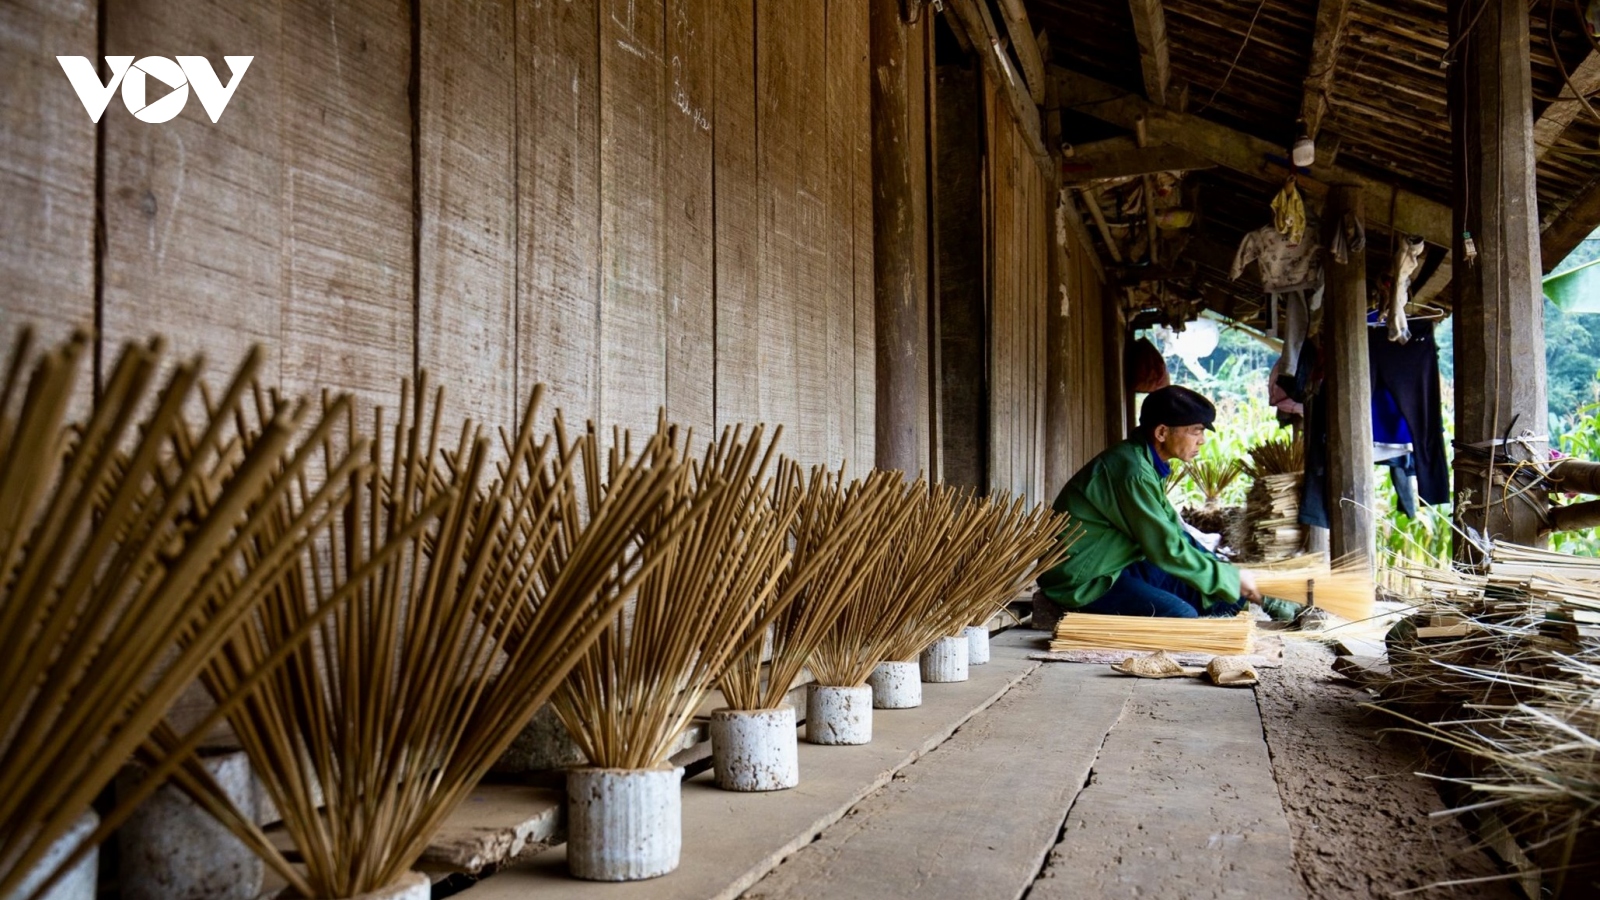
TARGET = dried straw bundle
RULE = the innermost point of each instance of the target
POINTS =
(833, 554)
(454, 614)
(1213, 477)
(119, 535)
(1233, 636)
(1276, 457)
(1346, 588)
(710, 595)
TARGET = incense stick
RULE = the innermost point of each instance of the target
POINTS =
(1088, 631)
(442, 615)
(711, 595)
(131, 543)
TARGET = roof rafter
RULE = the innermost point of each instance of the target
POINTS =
(1247, 154)
(1331, 18)
(1150, 28)
(1559, 114)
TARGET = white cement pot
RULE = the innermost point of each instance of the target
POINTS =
(838, 715)
(945, 660)
(977, 645)
(79, 881)
(755, 749)
(411, 886)
(624, 824)
(896, 685)
(170, 849)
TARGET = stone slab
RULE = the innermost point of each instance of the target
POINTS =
(975, 818)
(731, 840)
(1182, 804)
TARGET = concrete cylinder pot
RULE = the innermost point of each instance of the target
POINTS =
(945, 660)
(838, 715)
(624, 824)
(411, 886)
(171, 849)
(896, 685)
(977, 645)
(79, 882)
(755, 749)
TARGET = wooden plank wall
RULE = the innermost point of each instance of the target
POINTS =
(1022, 301)
(637, 202)
(1018, 290)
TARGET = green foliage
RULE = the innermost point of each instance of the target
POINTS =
(1581, 440)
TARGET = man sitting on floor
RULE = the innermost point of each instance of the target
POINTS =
(1134, 557)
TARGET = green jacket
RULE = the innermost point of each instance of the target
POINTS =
(1121, 503)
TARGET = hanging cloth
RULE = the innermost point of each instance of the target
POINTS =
(1289, 213)
(1406, 262)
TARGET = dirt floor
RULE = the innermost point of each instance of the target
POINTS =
(1358, 815)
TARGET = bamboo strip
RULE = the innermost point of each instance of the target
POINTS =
(1222, 636)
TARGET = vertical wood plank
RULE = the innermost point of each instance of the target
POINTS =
(558, 181)
(195, 210)
(900, 248)
(866, 379)
(632, 310)
(838, 376)
(808, 21)
(777, 98)
(687, 106)
(349, 306)
(47, 173)
(467, 292)
(738, 218)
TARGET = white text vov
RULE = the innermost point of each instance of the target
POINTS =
(179, 76)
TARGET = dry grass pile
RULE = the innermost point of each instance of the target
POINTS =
(1500, 670)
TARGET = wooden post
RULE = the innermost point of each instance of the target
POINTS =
(1349, 391)
(900, 238)
(1059, 398)
(958, 218)
(1499, 320)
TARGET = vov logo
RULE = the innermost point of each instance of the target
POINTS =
(133, 78)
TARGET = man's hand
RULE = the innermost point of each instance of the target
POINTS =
(1247, 585)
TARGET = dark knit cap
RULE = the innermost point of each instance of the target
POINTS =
(1176, 406)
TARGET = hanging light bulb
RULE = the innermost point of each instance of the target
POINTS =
(1304, 152)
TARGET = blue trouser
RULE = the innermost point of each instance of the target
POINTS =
(1143, 589)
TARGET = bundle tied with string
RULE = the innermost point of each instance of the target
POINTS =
(133, 541)
(441, 614)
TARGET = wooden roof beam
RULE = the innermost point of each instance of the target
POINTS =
(1247, 154)
(973, 15)
(1331, 18)
(1150, 27)
(1025, 46)
(1569, 227)
(1559, 114)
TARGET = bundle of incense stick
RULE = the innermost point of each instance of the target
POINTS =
(1345, 588)
(917, 571)
(441, 615)
(866, 631)
(1223, 636)
(833, 531)
(1014, 548)
(712, 594)
(132, 542)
